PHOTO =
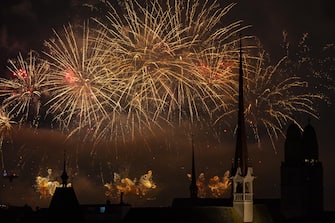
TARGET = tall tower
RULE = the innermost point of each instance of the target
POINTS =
(193, 186)
(291, 168)
(313, 177)
(64, 175)
(301, 174)
(242, 173)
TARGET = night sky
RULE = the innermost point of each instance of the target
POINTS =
(25, 24)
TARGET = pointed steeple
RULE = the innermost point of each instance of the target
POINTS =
(64, 175)
(193, 187)
(241, 151)
(243, 176)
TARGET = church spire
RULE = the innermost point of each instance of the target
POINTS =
(242, 174)
(64, 175)
(193, 187)
(241, 152)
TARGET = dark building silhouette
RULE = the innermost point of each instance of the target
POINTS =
(301, 175)
(108, 212)
(64, 202)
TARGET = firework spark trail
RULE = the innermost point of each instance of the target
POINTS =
(218, 71)
(140, 187)
(154, 63)
(6, 127)
(158, 48)
(81, 89)
(318, 70)
(160, 56)
(327, 69)
(273, 97)
(215, 187)
(21, 95)
(45, 186)
(6, 123)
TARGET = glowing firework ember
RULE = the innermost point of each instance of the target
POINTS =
(126, 185)
(46, 186)
(317, 70)
(214, 187)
